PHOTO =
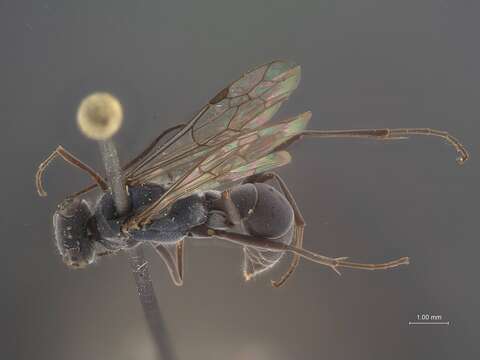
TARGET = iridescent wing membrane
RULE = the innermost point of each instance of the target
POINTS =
(248, 154)
(244, 105)
(227, 141)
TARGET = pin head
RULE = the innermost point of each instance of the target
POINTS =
(99, 116)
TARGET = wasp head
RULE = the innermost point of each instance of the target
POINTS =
(73, 236)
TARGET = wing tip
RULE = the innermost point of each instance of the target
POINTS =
(285, 69)
(293, 64)
(307, 114)
(286, 156)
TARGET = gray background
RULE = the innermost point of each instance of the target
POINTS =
(365, 64)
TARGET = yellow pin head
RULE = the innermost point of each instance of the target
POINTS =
(99, 116)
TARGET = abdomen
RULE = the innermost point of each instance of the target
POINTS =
(265, 213)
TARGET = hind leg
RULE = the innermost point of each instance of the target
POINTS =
(272, 245)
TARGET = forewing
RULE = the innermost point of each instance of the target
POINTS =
(244, 105)
(246, 155)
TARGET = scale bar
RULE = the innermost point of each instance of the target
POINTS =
(429, 323)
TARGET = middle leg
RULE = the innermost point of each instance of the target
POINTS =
(172, 256)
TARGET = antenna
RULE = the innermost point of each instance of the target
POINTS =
(99, 117)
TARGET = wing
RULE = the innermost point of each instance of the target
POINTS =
(243, 106)
(244, 156)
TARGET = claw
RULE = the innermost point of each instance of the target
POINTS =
(334, 268)
(248, 276)
(461, 158)
(337, 260)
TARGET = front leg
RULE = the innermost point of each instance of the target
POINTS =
(72, 160)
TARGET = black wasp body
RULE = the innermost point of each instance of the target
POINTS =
(211, 175)
(260, 210)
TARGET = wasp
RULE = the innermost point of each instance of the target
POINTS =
(212, 177)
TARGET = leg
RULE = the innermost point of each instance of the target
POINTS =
(179, 252)
(174, 263)
(299, 222)
(83, 191)
(72, 160)
(392, 134)
(267, 244)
